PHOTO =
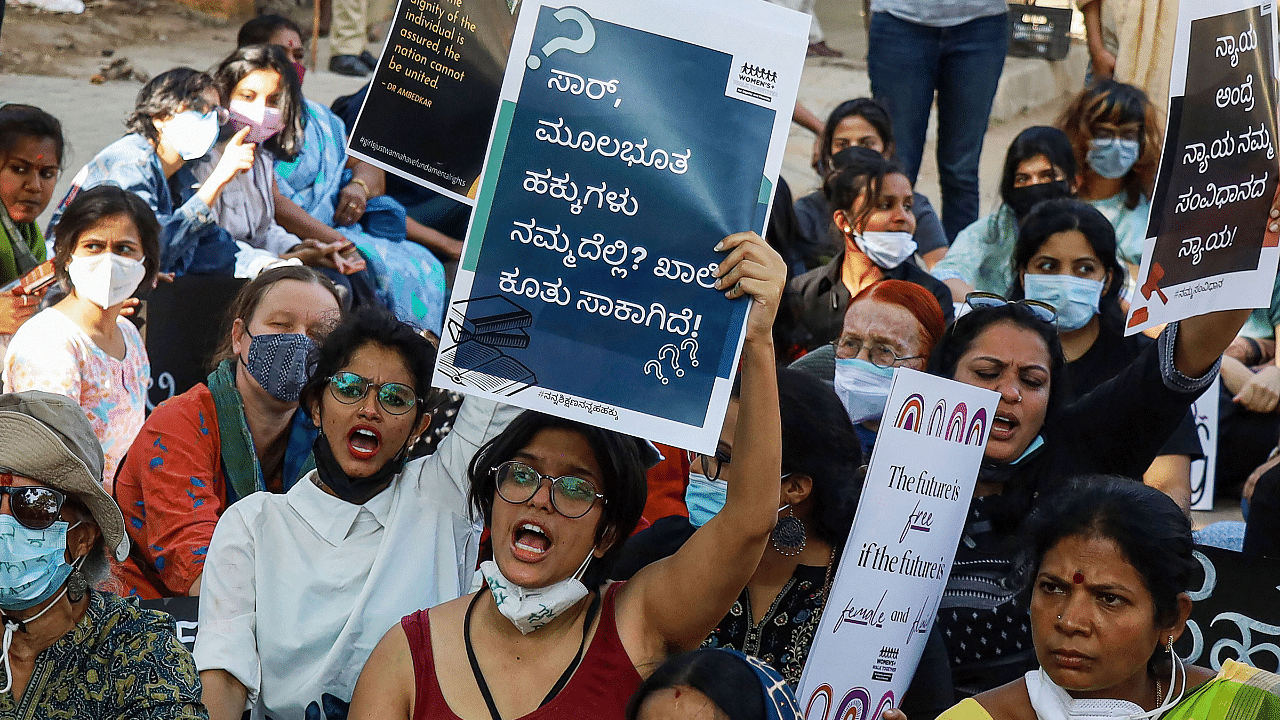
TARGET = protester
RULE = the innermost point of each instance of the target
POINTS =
(1116, 138)
(544, 541)
(1037, 440)
(259, 87)
(872, 201)
(70, 650)
(298, 587)
(240, 432)
(917, 47)
(1067, 257)
(1113, 564)
(1040, 165)
(890, 324)
(714, 684)
(861, 122)
(31, 147)
(107, 247)
(175, 121)
(324, 194)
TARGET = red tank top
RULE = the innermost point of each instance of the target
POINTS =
(598, 690)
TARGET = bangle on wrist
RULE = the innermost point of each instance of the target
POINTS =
(361, 183)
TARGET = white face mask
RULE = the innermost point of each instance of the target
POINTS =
(887, 249)
(1053, 703)
(1074, 298)
(191, 134)
(529, 609)
(105, 279)
(863, 388)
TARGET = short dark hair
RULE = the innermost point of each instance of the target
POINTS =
(619, 456)
(19, 121)
(246, 301)
(856, 179)
(96, 204)
(259, 30)
(818, 440)
(1145, 524)
(372, 325)
(1110, 100)
(286, 144)
(866, 108)
(1050, 142)
(1051, 217)
(165, 95)
(726, 679)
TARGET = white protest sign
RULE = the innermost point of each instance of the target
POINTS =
(1205, 248)
(896, 562)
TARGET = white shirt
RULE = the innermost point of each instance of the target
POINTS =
(298, 588)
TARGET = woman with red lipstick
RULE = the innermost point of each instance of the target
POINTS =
(30, 159)
(298, 587)
(547, 637)
(1113, 566)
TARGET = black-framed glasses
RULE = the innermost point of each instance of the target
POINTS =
(571, 496)
(1106, 136)
(1042, 310)
(34, 506)
(349, 388)
(880, 355)
(713, 464)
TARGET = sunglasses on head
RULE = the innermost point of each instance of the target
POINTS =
(33, 506)
(1042, 310)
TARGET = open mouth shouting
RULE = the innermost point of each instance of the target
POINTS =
(363, 442)
(530, 542)
(1004, 427)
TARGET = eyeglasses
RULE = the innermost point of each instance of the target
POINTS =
(721, 458)
(349, 388)
(571, 496)
(1105, 136)
(1042, 310)
(879, 355)
(34, 506)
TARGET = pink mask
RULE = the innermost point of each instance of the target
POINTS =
(302, 71)
(263, 122)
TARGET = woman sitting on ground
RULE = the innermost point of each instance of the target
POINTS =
(107, 247)
(558, 498)
(872, 200)
(31, 148)
(69, 650)
(713, 683)
(241, 432)
(1112, 566)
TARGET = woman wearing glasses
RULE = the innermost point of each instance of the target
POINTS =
(240, 432)
(174, 122)
(547, 637)
(70, 650)
(298, 587)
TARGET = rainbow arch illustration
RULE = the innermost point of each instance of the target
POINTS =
(911, 414)
(955, 426)
(977, 428)
(937, 419)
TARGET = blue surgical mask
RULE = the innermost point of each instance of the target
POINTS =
(33, 563)
(1074, 298)
(1114, 158)
(704, 498)
(862, 387)
(280, 364)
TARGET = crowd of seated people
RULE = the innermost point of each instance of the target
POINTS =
(343, 572)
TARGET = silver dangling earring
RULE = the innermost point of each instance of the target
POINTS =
(77, 585)
(788, 535)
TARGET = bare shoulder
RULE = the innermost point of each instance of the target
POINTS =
(1008, 702)
(1197, 676)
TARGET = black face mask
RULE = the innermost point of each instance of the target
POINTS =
(356, 491)
(1022, 199)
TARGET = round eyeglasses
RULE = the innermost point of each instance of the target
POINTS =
(880, 355)
(349, 388)
(571, 496)
(34, 506)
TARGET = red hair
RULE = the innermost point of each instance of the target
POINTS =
(921, 303)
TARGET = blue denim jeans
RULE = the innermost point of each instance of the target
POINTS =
(907, 64)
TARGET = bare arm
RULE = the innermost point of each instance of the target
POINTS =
(293, 218)
(444, 247)
(386, 686)
(224, 696)
(803, 117)
(1104, 62)
(1171, 475)
(671, 605)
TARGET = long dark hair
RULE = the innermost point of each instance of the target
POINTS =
(723, 677)
(1118, 103)
(1054, 216)
(287, 143)
(866, 108)
(1037, 140)
(856, 180)
(22, 121)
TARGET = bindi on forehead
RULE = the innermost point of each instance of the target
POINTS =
(1078, 578)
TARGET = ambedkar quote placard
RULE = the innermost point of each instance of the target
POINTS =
(895, 564)
(1205, 247)
(630, 139)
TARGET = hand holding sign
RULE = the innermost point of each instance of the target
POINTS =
(753, 268)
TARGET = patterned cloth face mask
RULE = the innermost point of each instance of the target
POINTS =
(279, 363)
(531, 608)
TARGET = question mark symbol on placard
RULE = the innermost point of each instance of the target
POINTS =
(581, 45)
(656, 367)
(675, 357)
(692, 346)
(640, 254)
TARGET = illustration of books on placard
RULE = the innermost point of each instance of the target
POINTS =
(478, 328)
